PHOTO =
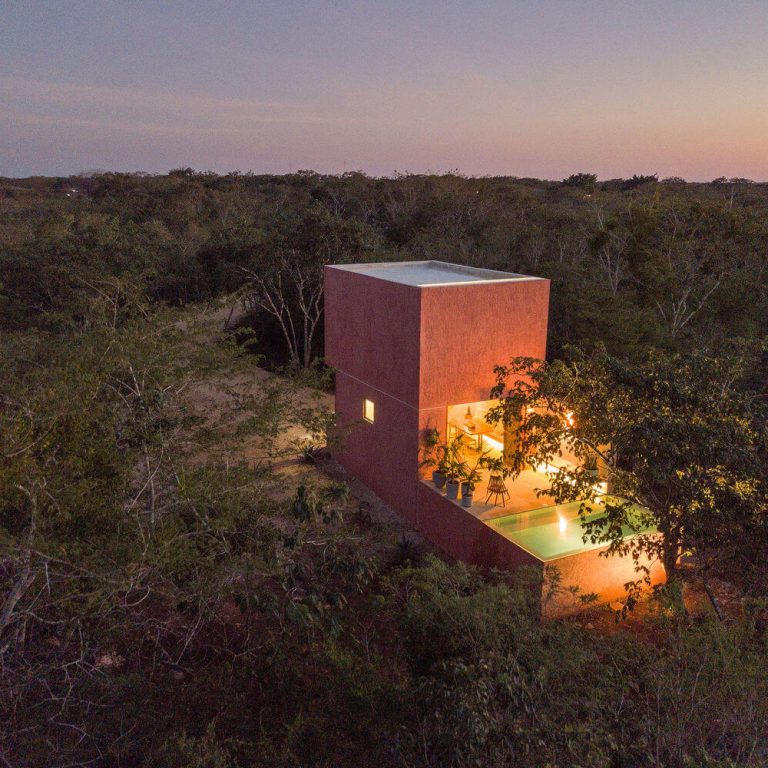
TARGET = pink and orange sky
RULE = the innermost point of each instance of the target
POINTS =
(540, 89)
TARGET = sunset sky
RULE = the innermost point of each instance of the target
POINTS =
(540, 89)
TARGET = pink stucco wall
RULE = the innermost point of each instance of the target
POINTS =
(458, 533)
(468, 329)
(372, 332)
(382, 454)
(592, 572)
(372, 339)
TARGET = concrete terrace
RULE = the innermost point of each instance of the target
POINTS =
(523, 495)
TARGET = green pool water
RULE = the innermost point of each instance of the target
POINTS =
(550, 532)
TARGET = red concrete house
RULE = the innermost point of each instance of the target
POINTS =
(414, 345)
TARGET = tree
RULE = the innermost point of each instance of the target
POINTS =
(581, 180)
(638, 181)
(113, 527)
(682, 442)
(682, 258)
(609, 245)
(292, 293)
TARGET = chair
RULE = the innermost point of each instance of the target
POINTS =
(498, 490)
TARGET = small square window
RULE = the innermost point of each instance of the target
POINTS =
(368, 410)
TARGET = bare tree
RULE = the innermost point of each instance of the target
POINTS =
(694, 274)
(292, 293)
(610, 252)
(681, 309)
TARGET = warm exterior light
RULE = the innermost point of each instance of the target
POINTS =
(368, 410)
(562, 523)
(569, 418)
(601, 491)
(546, 468)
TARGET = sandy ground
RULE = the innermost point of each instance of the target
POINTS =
(220, 404)
(223, 401)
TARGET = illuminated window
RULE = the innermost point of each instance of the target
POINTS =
(368, 410)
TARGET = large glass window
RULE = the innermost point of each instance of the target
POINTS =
(468, 419)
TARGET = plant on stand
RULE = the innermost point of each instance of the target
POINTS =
(590, 465)
(472, 478)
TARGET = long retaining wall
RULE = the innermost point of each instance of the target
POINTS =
(593, 573)
(460, 534)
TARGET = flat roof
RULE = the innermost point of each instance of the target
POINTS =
(425, 274)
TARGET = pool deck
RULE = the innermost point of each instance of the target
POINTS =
(524, 495)
(531, 519)
(534, 537)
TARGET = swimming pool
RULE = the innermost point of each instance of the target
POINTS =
(551, 532)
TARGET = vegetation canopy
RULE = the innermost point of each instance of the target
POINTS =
(681, 441)
(186, 580)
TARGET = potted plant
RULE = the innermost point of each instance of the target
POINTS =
(590, 465)
(435, 455)
(452, 486)
(443, 467)
(468, 488)
(454, 468)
